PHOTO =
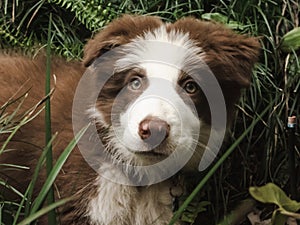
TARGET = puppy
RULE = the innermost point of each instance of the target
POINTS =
(158, 98)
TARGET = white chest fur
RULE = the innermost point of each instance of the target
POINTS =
(128, 205)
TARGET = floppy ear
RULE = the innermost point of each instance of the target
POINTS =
(230, 56)
(118, 32)
(233, 58)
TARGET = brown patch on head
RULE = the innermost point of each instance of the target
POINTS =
(119, 32)
(230, 56)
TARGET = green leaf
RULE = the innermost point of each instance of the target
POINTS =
(223, 19)
(193, 210)
(271, 193)
(291, 40)
(215, 17)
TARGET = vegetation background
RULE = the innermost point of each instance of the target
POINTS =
(262, 156)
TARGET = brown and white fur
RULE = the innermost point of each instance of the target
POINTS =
(100, 201)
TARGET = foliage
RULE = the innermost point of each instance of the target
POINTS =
(214, 168)
(92, 14)
(271, 193)
(24, 23)
(192, 210)
(261, 156)
(291, 40)
(11, 212)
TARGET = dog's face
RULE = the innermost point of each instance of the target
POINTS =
(152, 110)
(157, 100)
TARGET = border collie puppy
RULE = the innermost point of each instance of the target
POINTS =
(158, 98)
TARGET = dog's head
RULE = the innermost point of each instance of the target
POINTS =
(160, 96)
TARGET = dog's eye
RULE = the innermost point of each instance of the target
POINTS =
(191, 87)
(135, 83)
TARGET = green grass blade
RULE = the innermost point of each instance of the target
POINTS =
(55, 170)
(14, 166)
(48, 130)
(24, 121)
(216, 166)
(29, 191)
(6, 185)
(36, 173)
(43, 211)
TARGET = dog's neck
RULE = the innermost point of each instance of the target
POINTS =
(122, 204)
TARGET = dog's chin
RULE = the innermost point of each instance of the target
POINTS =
(149, 156)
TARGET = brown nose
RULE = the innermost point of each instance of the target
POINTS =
(153, 130)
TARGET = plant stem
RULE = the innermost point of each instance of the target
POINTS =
(215, 167)
(48, 132)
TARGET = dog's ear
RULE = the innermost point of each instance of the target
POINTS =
(229, 55)
(233, 59)
(117, 33)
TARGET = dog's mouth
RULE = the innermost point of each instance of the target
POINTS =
(151, 153)
(156, 154)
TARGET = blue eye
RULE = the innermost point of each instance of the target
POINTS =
(191, 87)
(135, 83)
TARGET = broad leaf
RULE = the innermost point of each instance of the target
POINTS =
(271, 193)
(291, 40)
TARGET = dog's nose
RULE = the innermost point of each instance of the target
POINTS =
(153, 130)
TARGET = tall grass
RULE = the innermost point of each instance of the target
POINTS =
(48, 130)
(215, 167)
(29, 208)
(261, 156)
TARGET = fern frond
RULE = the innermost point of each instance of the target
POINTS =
(93, 14)
(10, 36)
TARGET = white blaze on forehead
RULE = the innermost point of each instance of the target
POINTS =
(162, 71)
(173, 48)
